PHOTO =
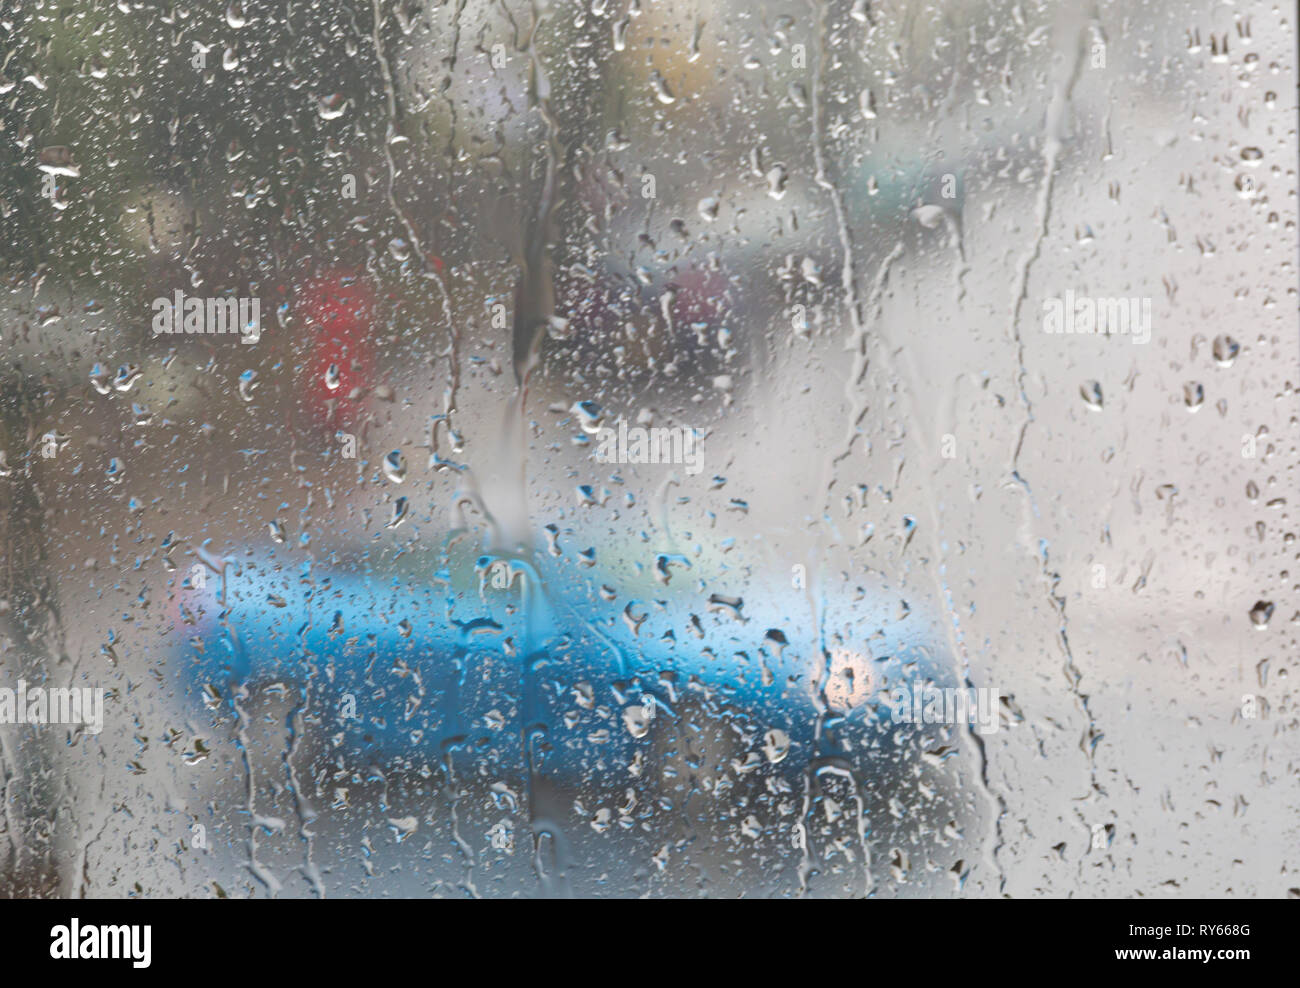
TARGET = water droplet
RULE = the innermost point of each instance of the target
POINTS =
(1260, 613)
(1091, 392)
(331, 107)
(662, 92)
(395, 466)
(590, 416)
(127, 375)
(557, 328)
(928, 216)
(1225, 350)
(729, 605)
(776, 745)
(58, 160)
(636, 721)
(776, 179)
(400, 509)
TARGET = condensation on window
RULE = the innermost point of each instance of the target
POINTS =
(648, 448)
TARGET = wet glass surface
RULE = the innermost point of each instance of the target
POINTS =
(631, 448)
